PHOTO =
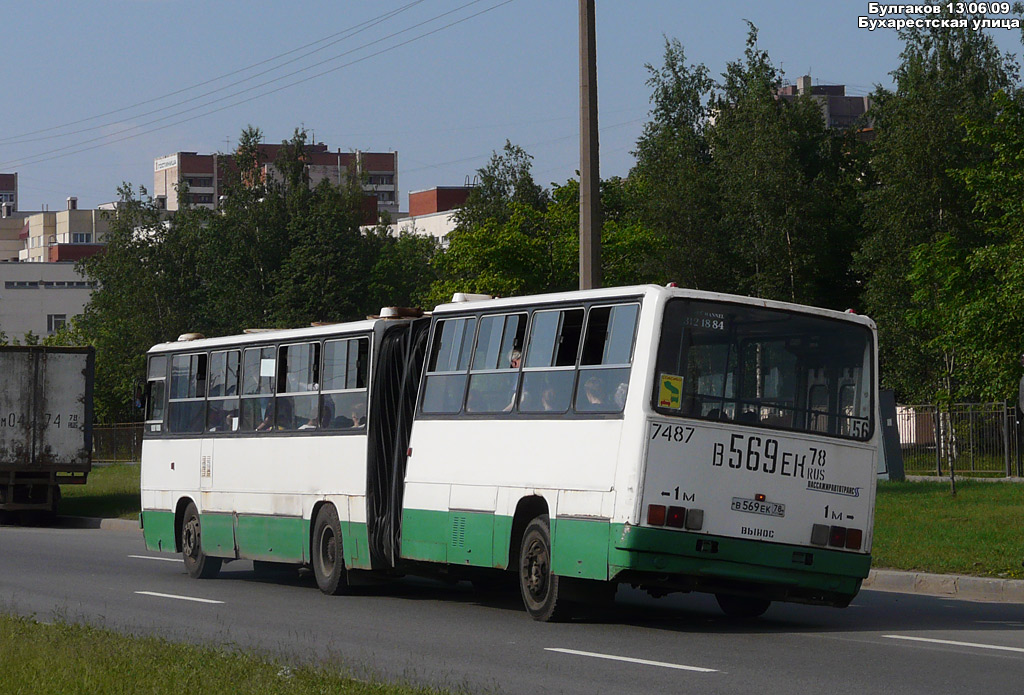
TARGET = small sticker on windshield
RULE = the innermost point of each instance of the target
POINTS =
(671, 392)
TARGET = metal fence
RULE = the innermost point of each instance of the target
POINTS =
(117, 443)
(981, 439)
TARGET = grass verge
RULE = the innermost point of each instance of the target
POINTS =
(111, 493)
(921, 527)
(62, 658)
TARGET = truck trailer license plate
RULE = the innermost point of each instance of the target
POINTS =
(739, 504)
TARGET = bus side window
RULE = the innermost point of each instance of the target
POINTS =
(156, 393)
(258, 370)
(447, 366)
(606, 357)
(186, 407)
(222, 400)
(298, 382)
(549, 367)
(343, 391)
(495, 369)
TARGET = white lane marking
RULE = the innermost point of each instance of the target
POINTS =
(151, 557)
(956, 644)
(180, 598)
(631, 660)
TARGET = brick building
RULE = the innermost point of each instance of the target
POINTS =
(204, 173)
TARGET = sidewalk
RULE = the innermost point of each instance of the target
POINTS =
(91, 522)
(952, 586)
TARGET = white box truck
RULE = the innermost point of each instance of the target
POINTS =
(45, 424)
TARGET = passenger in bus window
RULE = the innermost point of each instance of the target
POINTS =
(619, 397)
(594, 392)
(358, 413)
(267, 423)
(548, 400)
(278, 416)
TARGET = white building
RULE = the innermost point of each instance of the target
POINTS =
(40, 297)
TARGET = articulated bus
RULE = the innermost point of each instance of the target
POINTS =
(664, 438)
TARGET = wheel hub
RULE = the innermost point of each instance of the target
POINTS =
(535, 570)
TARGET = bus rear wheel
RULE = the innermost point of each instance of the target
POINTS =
(537, 584)
(328, 559)
(199, 564)
(742, 606)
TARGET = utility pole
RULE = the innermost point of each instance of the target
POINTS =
(590, 176)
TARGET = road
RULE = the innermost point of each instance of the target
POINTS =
(448, 635)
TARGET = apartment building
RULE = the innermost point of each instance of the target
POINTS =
(204, 173)
(67, 235)
(9, 190)
(839, 110)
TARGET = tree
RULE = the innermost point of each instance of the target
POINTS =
(672, 190)
(515, 238)
(919, 216)
(781, 176)
(505, 181)
(981, 287)
(150, 287)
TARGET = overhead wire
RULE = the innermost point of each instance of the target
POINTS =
(111, 138)
(344, 34)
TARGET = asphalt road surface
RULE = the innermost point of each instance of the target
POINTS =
(433, 633)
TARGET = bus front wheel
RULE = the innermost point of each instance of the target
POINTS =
(199, 564)
(538, 585)
(328, 560)
(742, 606)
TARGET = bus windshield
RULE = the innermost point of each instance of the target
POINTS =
(765, 367)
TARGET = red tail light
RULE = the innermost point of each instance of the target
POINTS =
(656, 514)
(676, 517)
(837, 537)
(854, 538)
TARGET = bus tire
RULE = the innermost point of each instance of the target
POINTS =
(537, 584)
(742, 606)
(199, 564)
(328, 558)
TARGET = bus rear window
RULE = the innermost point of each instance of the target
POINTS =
(765, 367)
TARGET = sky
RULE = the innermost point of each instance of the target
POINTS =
(95, 90)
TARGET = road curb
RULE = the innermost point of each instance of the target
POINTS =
(92, 522)
(952, 586)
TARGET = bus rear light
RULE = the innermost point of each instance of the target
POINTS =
(854, 537)
(656, 514)
(837, 537)
(676, 517)
(819, 534)
(759, 497)
(694, 519)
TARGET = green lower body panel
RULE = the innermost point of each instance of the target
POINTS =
(579, 548)
(158, 531)
(251, 537)
(425, 535)
(474, 539)
(797, 572)
(272, 538)
(356, 544)
(218, 534)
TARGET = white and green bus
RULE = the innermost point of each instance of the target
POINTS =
(665, 438)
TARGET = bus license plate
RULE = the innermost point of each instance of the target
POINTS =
(740, 504)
